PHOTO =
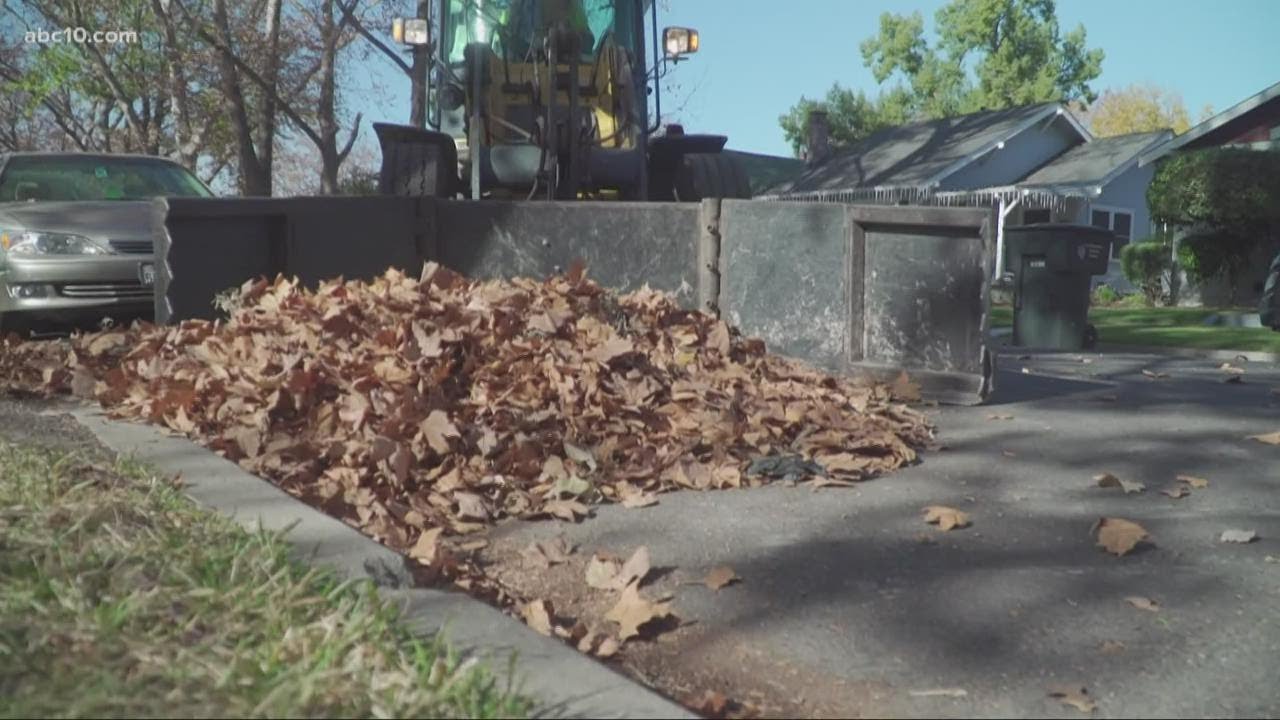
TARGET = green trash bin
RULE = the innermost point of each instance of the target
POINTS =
(1052, 267)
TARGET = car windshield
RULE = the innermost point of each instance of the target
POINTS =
(35, 178)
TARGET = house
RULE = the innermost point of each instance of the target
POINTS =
(1032, 164)
(1254, 124)
(766, 171)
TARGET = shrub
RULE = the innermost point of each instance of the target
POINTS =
(1104, 295)
(1147, 265)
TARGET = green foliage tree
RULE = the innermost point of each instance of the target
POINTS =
(1147, 265)
(1228, 198)
(852, 115)
(1015, 49)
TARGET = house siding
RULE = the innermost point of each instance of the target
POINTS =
(1021, 155)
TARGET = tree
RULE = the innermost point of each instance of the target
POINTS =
(1135, 109)
(1228, 199)
(1147, 264)
(852, 115)
(1015, 49)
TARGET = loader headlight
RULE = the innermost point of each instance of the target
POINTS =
(32, 243)
(680, 41)
(410, 31)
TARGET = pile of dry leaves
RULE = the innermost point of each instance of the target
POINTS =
(415, 407)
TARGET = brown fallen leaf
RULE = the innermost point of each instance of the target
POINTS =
(538, 615)
(821, 482)
(633, 612)
(1009, 454)
(1119, 536)
(712, 704)
(1198, 483)
(1176, 491)
(1143, 603)
(608, 647)
(1269, 438)
(639, 500)
(601, 571)
(940, 692)
(568, 510)
(1109, 480)
(634, 570)
(946, 518)
(1231, 369)
(471, 507)
(999, 417)
(437, 429)
(1155, 375)
(1243, 537)
(1077, 696)
(424, 550)
(720, 577)
(1111, 647)
(545, 554)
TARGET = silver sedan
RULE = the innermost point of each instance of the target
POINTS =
(75, 235)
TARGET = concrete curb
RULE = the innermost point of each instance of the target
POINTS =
(561, 680)
(1224, 355)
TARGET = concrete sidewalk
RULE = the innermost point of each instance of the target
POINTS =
(843, 610)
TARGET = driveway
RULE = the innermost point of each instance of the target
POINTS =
(850, 605)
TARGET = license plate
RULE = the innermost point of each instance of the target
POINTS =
(147, 274)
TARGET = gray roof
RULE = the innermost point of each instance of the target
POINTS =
(920, 154)
(1223, 127)
(1094, 163)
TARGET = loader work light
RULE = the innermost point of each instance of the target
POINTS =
(410, 31)
(680, 41)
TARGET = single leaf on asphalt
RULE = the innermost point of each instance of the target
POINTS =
(1077, 696)
(1111, 647)
(999, 417)
(634, 570)
(720, 577)
(946, 518)
(1176, 491)
(1143, 603)
(601, 572)
(1129, 486)
(1155, 375)
(538, 615)
(1198, 483)
(1119, 536)
(1231, 369)
(632, 612)
(1243, 537)
(1269, 438)
(424, 550)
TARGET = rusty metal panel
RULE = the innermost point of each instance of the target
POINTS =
(783, 277)
(624, 245)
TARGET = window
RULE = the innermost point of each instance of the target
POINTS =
(93, 178)
(1119, 222)
(1033, 217)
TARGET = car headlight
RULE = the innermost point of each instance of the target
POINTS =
(30, 242)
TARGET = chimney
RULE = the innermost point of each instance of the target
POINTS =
(818, 138)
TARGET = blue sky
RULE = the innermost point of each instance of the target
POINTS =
(759, 56)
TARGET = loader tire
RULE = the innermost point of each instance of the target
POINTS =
(711, 175)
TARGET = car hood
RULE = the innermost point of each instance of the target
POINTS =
(99, 221)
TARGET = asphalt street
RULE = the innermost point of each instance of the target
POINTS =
(850, 605)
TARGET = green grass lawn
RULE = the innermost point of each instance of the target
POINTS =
(1166, 327)
(120, 598)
